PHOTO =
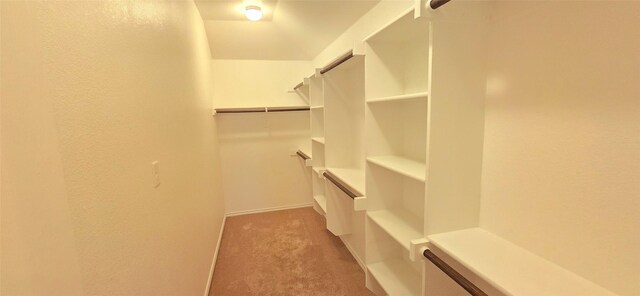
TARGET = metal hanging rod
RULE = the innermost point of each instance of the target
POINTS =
(344, 187)
(337, 62)
(299, 85)
(303, 155)
(287, 109)
(434, 4)
(260, 109)
(453, 274)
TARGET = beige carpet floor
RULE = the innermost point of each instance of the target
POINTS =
(286, 252)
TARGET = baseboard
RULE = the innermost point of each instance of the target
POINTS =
(263, 210)
(354, 254)
(215, 257)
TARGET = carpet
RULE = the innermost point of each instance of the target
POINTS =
(287, 252)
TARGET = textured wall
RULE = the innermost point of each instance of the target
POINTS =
(92, 93)
(562, 135)
(258, 83)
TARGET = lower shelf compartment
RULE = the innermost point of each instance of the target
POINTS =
(396, 277)
(399, 224)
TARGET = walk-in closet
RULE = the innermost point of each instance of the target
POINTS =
(320, 147)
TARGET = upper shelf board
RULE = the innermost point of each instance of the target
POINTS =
(318, 140)
(401, 165)
(400, 98)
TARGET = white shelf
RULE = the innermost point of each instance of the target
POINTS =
(510, 268)
(404, 166)
(322, 202)
(401, 98)
(306, 151)
(396, 277)
(352, 177)
(400, 224)
(318, 139)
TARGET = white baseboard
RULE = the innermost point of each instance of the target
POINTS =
(215, 257)
(263, 210)
(354, 254)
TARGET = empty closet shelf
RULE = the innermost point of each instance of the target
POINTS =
(322, 202)
(401, 98)
(396, 277)
(352, 177)
(413, 169)
(400, 224)
(304, 153)
(509, 268)
(318, 139)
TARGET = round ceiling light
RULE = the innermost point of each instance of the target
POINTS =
(253, 13)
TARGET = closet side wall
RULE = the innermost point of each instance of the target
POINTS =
(260, 169)
(258, 83)
(92, 93)
(562, 135)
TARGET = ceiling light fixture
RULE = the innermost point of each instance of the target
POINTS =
(253, 12)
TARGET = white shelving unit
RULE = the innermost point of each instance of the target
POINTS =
(404, 125)
(396, 134)
(316, 100)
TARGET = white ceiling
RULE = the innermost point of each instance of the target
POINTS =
(290, 29)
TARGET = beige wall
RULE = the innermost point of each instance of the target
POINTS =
(561, 164)
(92, 93)
(258, 83)
(375, 19)
(259, 171)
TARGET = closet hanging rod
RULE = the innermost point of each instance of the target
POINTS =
(287, 109)
(336, 181)
(303, 155)
(337, 62)
(434, 4)
(260, 109)
(298, 85)
(453, 274)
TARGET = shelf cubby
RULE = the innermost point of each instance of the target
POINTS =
(399, 223)
(398, 60)
(389, 266)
